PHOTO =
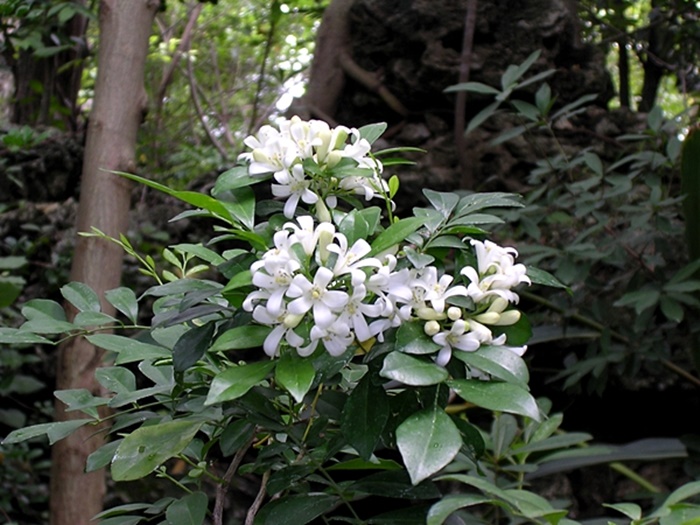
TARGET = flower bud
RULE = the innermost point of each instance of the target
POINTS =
(429, 314)
(454, 313)
(488, 318)
(322, 213)
(508, 318)
(292, 320)
(431, 328)
(325, 232)
(498, 305)
(333, 158)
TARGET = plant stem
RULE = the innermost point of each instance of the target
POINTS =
(226, 481)
(631, 474)
(257, 502)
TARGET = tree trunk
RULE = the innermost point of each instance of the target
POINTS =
(119, 104)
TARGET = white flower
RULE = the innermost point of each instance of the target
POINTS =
(294, 185)
(355, 312)
(336, 339)
(316, 296)
(352, 259)
(281, 329)
(496, 273)
(459, 336)
(437, 290)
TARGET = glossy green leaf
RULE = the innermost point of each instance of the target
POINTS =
(442, 510)
(538, 276)
(10, 288)
(631, 510)
(395, 234)
(372, 132)
(241, 337)
(364, 416)
(190, 197)
(444, 202)
(234, 382)
(81, 399)
(45, 317)
(295, 374)
(237, 177)
(235, 435)
(361, 464)
(146, 448)
(473, 87)
(116, 379)
(128, 349)
(189, 510)
(14, 336)
(124, 300)
(501, 397)
(427, 441)
(411, 339)
(81, 296)
(498, 362)
(354, 227)
(54, 431)
(102, 457)
(240, 203)
(191, 346)
(412, 371)
(295, 510)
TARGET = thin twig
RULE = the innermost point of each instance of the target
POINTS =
(200, 113)
(222, 488)
(257, 502)
(263, 70)
(467, 178)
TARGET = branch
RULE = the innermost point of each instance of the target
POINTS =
(228, 476)
(467, 179)
(200, 113)
(182, 48)
(371, 81)
(257, 502)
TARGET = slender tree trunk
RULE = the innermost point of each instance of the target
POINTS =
(119, 104)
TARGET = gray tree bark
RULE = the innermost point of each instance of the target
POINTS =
(119, 105)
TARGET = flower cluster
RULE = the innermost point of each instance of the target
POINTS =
(315, 288)
(286, 150)
(313, 277)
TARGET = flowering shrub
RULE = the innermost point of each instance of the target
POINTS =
(371, 326)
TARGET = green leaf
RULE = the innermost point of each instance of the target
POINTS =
(124, 300)
(10, 288)
(295, 510)
(235, 435)
(555, 442)
(443, 202)
(372, 132)
(473, 87)
(240, 203)
(631, 510)
(116, 379)
(354, 227)
(54, 431)
(412, 371)
(671, 308)
(517, 334)
(199, 200)
(234, 178)
(234, 382)
(427, 441)
(498, 362)
(361, 464)
(295, 374)
(146, 448)
(190, 510)
(191, 346)
(442, 510)
(545, 278)
(395, 234)
(241, 337)
(81, 296)
(364, 416)
(45, 317)
(128, 349)
(14, 336)
(480, 201)
(411, 339)
(102, 456)
(482, 116)
(502, 397)
(81, 399)
(640, 299)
